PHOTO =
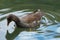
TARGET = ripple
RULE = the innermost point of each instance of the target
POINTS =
(49, 28)
(29, 36)
(6, 9)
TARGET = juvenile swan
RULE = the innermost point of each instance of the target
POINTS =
(29, 20)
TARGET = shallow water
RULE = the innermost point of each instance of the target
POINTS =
(48, 29)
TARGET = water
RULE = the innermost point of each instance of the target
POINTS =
(48, 29)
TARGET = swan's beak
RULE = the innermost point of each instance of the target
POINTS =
(8, 23)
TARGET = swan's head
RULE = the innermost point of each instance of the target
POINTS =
(9, 19)
(12, 17)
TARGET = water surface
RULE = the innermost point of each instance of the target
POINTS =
(48, 29)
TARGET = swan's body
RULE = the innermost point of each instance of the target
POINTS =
(29, 20)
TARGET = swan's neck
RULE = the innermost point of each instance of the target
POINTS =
(18, 22)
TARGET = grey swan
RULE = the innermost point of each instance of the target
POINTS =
(30, 20)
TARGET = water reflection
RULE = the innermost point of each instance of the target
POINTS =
(29, 36)
(6, 9)
(3, 29)
(11, 27)
(48, 29)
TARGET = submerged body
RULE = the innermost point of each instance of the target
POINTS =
(29, 20)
